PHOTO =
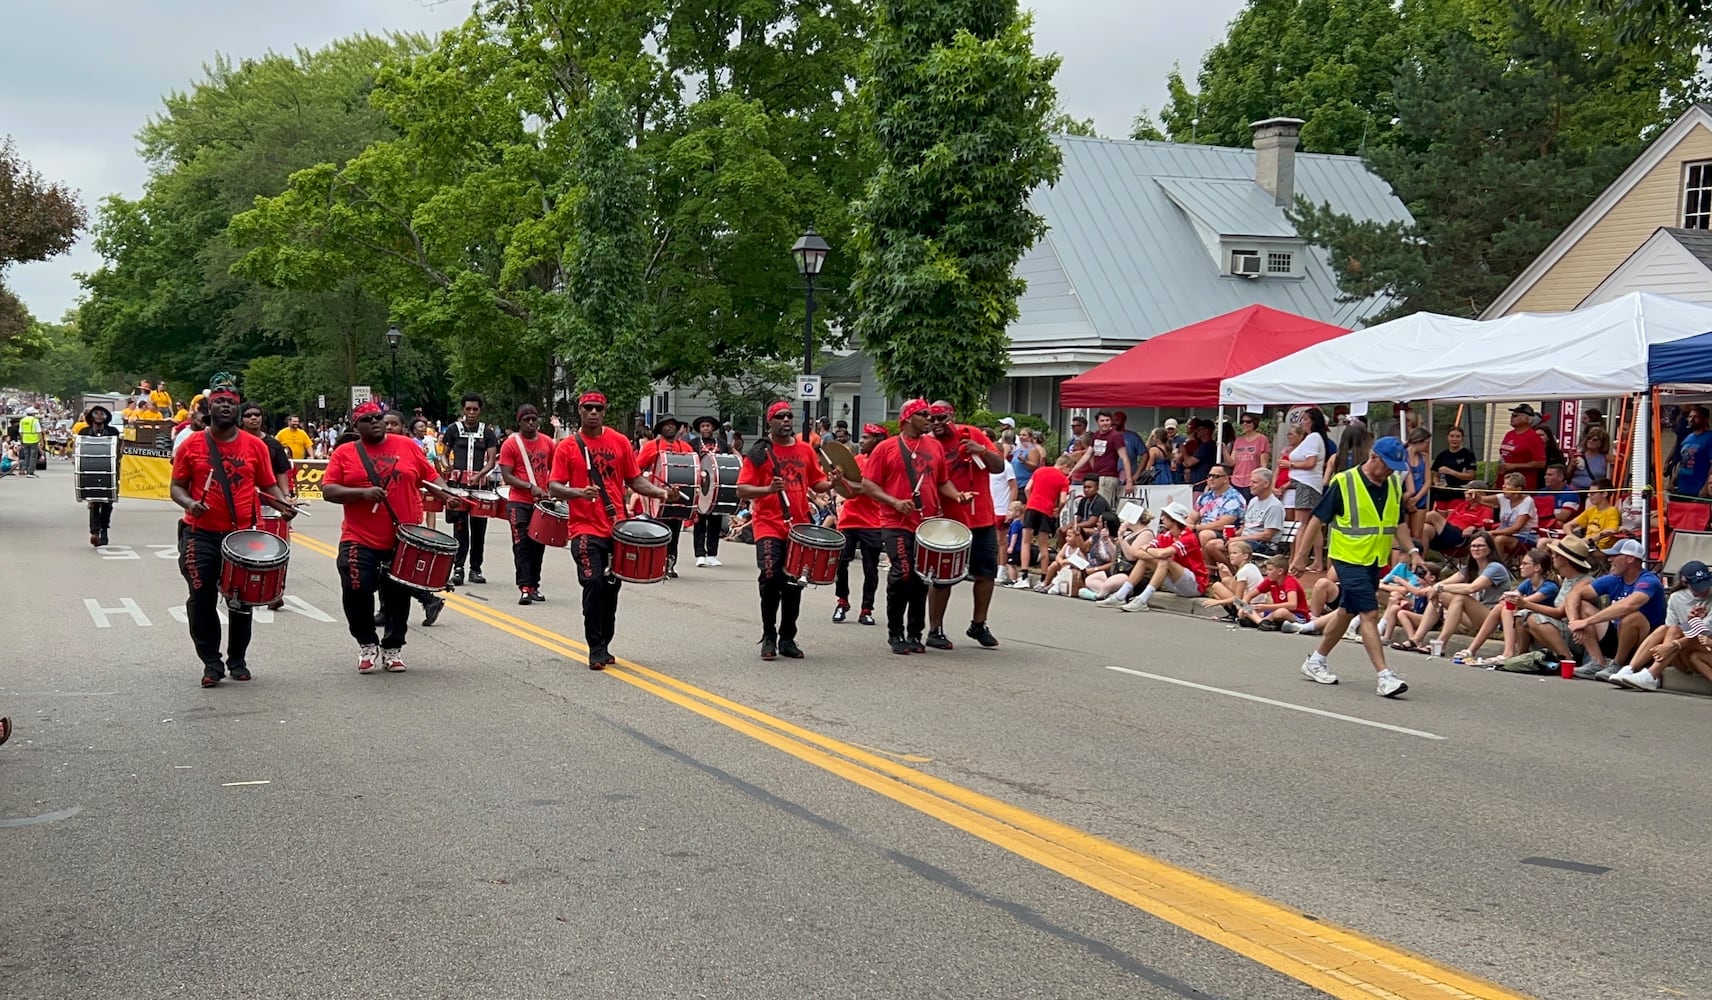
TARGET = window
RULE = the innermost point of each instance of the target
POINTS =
(1697, 196)
(1280, 262)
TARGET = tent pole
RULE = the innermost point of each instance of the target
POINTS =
(1662, 500)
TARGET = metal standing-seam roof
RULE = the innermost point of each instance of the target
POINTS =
(1122, 261)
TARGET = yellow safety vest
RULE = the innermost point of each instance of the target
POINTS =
(1362, 535)
(30, 430)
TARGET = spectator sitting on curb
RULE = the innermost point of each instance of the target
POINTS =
(1174, 563)
(1549, 626)
(1133, 540)
(1683, 641)
(1407, 597)
(1056, 578)
(1262, 520)
(1238, 577)
(1465, 598)
(1537, 591)
(1279, 602)
(1090, 507)
(1087, 582)
(1636, 606)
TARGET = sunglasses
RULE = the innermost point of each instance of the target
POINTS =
(594, 407)
(369, 418)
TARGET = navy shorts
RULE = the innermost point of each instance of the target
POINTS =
(1358, 587)
(1040, 524)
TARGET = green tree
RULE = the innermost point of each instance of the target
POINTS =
(38, 220)
(1063, 122)
(1144, 129)
(956, 104)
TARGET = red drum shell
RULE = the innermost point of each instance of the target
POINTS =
(431, 502)
(639, 550)
(275, 524)
(550, 524)
(252, 567)
(486, 503)
(942, 551)
(422, 559)
(812, 556)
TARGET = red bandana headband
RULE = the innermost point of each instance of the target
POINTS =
(364, 409)
(941, 410)
(913, 407)
(233, 393)
(777, 408)
(591, 397)
(878, 430)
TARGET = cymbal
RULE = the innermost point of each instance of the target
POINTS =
(840, 455)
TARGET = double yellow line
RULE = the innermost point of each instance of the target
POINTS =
(1335, 960)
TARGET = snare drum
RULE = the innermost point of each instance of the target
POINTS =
(252, 568)
(719, 484)
(812, 557)
(97, 469)
(422, 559)
(639, 550)
(942, 551)
(431, 502)
(680, 469)
(274, 523)
(486, 503)
(550, 524)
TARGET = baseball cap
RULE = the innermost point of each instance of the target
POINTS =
(1696, 575)
(1392, 451)
(1626, 547)
(1525, 408)
(1007, 422)
(1171, 423)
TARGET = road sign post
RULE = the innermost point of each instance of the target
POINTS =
(359, 395)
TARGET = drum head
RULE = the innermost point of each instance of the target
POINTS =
(816, 536)
(427, 538)
(483, 496)
(641, 531)
(554, 508)
(943, 533)
(254, 548)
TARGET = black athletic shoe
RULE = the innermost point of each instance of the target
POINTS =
(95, 539)
(866, 618)
(979, 632)
(936, 638)
(212, 674)
(457, 576)
(841, 612)
(238, 672)
(476, 576)
(789, 649)
(536, 595)
(900, 645)
(523, 596)
(103, 536)
(915, 644)
(599, 658)
(431, 609)
(380, 618)
(769, 648)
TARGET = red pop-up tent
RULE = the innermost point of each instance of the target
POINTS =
(1184, 367)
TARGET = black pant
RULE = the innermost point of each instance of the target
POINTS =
(593, 556)
(677, 529)
(708, 528)
(781, 597)
(362, 572)
(100, 517)
(471, 533)
(905, 591)
(867, 541)
(199, 562)
(526, 552)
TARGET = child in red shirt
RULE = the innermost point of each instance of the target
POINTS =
(1279, 598)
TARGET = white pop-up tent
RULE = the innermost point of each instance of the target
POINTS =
(1597, 352)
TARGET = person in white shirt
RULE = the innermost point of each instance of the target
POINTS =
(1262, 522)
(1004, 489)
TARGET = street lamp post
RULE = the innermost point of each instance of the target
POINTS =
(392, 339)
(810, 251)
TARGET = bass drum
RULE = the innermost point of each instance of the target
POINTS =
(680, 469)
(719, 484)
(96, 460)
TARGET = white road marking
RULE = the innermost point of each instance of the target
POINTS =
(127, 607)
(1281, 704)
(234, 784)
(118, 552)
(300, 606)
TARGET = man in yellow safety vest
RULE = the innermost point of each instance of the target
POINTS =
(1363, 510)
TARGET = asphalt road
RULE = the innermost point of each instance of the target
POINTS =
(1028, 822)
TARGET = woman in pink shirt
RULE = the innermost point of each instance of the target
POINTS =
(1248, 452)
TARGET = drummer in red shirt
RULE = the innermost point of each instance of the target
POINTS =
(525, 463)
(906, 474)
(776, 477)
(860, 520)
(970, 458)
(665, 442)
(374, 508)
(216, 503)
(591, 468)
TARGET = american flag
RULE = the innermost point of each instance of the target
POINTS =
(1696, 626)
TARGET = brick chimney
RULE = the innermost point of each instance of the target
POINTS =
(1275, 157)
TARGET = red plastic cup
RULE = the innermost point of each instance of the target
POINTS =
(1230, 531)
(1509, 605)
(1566, 669)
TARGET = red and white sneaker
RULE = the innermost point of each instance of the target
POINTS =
(368, 659)
(393, 659)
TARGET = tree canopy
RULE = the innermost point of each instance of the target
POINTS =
(39, 219)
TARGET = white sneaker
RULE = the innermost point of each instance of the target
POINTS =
(1021, 583)
(367, 659)
(1290, 628)
(1643, 680)
(1114, 601)
(1318, 671)
(1390, 685)
(711, 561)
(393, 660)
(1622, 677)
(1353, 632)
(701, 562)
(1135, 604)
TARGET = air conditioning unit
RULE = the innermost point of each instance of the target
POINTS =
(1245, 263)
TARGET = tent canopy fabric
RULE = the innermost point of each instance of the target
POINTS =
(1599, 351)
(1184, 367)
(1683, 363)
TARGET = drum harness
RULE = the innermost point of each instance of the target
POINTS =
(219, 472)
(599, 483)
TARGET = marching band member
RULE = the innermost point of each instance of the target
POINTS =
(906, 474)
(970, 457)
(860, 520)
(471, 449)
(591, 468)
(708, 527)
(98, 422)
(377, 478)
(432, 604)
(219, 497)
(526, 464)
(665, 441)
(777, 475)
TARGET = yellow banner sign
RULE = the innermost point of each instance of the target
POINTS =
(307, 473)
(145, 468)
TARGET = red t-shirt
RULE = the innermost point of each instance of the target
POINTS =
(1466, 514)
(1106, 448)
(538, 453)
(1186, 553)
(616, 461)
(1044, 490)
(860, 511)
(650, 451)
(1276, 593)
(969, 476)
(402, 469)
(886, 468)
(795, 463)
(248, 467)
(1524, 446)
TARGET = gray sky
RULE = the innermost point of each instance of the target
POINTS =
(79, 77)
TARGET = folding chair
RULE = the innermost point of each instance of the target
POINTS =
(1686, 546)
